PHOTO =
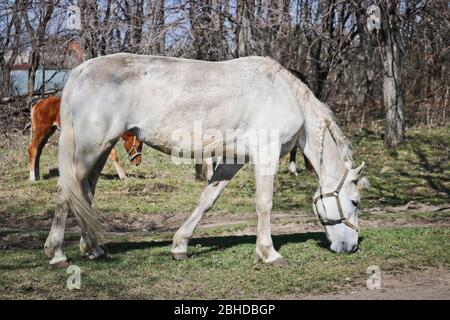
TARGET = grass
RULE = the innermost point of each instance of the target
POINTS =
(139, 265)
(418, 171)
(222, 267)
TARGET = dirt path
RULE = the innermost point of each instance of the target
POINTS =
(429, 284)
(20, 232)
(433, 283)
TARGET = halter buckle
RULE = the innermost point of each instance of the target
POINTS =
(133, 148)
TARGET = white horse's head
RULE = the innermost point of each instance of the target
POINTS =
(338, 210)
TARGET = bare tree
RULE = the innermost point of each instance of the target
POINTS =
(39, 14)
(9, 42)
(156, 16)
(361, 74)
(393, 88)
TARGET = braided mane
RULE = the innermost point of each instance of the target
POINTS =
(325, 118)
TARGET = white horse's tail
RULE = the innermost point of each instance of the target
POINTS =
(70, 183)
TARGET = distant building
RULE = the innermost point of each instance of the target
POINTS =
(58, 57)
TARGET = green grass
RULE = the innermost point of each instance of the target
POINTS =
(222, 267)
(418, 171)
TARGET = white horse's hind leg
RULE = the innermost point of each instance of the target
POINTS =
(54, 244)
(88, 242)
(264, 194)
(89, 246)
(219, 180)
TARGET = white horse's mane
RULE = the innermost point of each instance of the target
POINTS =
(325, 118)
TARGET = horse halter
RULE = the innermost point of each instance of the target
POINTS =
(335, 194)
(133, 148)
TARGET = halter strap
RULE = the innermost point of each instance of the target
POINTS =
(133, 148)
(335, 194)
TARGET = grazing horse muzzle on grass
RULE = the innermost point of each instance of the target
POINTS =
(164, 101)
(341, 228)
(134, 148)
(45, 119)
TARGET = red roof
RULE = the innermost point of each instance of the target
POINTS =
(20, 66)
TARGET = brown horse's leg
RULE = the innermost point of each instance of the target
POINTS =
(41, 146)
(292, 161)
(34, 151)
(113, 157)
(204, 171)
(199, 172)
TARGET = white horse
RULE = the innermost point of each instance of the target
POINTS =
(154, 96)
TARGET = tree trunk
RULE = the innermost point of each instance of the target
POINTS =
(157, 25)
(5, 90)
(393, 90)
(37, 39)
(246, 23)
(34, 65)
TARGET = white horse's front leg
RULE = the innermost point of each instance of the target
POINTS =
(53, 247)
(265, 250)
(218, 182)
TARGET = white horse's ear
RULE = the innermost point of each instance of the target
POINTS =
(360, 169)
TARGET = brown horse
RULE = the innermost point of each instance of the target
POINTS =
(45, 119)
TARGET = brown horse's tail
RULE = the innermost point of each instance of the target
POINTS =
(78, 198)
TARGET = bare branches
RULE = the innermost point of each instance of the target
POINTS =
(327, 41)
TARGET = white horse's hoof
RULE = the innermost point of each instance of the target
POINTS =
(274, 258)
(97, 253)
(180, 256)
(59, 261)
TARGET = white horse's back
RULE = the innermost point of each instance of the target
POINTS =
(156, 95)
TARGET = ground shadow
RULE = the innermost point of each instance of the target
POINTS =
(437, 166)
(52, 173)
(221, 242)
(109, 176)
